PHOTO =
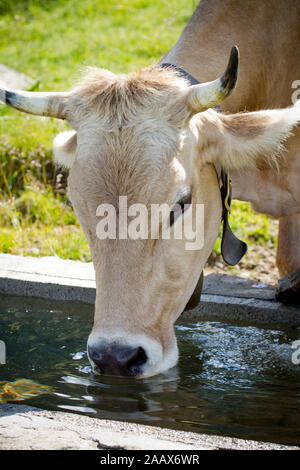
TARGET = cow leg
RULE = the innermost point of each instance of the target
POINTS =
(289, 288)
(288, 249)
(288, 259)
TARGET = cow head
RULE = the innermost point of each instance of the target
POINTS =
(151, 138)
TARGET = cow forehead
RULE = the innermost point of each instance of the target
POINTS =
(122, 99)
(141, 162)
(129, 130)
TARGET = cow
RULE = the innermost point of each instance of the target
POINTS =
(155, 139)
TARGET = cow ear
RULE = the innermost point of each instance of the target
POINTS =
(244, 140)
(64, 148)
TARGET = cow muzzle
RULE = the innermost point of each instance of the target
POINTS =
(116, 359)
(129, 354)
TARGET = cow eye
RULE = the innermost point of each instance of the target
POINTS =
(180, 206)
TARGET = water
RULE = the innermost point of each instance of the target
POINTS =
(231, 380)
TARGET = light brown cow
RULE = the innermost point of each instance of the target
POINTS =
(268, 36)
(152, 138)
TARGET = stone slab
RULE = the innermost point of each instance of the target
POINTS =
(224, 297)
(47, 277)
(234, 286)
(28, 428)
(10, 78)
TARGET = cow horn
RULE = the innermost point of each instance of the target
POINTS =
(207, 95)
(39, 103)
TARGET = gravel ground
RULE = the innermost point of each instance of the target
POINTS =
(258, 264)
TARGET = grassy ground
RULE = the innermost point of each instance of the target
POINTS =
(52, 41)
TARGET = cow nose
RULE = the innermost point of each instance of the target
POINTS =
(118, 360)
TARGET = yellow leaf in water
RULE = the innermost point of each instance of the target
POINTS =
(22, 389)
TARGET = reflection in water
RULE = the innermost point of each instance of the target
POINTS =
(231, 379)
(21, 389)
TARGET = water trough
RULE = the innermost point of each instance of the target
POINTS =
(235, 387)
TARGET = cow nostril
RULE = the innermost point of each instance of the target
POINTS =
(95, 355)
(137, 359)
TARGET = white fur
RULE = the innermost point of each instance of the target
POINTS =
(242, 152)
(61, 152)
(235, 151)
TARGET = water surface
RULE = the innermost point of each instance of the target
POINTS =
(231, 380)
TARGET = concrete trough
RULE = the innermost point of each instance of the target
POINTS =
(28, 428)
(224, 297)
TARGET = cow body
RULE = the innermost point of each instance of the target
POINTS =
(268, 36)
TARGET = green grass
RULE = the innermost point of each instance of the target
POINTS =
(52, 41)
(40, 223)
